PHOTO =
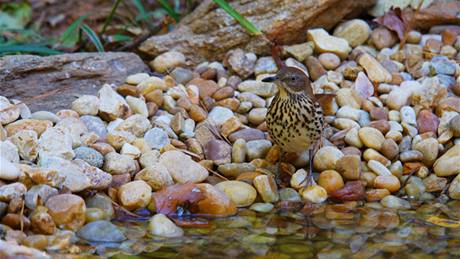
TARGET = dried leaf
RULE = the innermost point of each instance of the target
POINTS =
(394, 21)
(447, 223)
(169, 199)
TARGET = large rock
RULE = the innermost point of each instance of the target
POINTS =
(78, 73)
(209, 32)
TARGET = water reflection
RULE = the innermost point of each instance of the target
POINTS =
(350, 230)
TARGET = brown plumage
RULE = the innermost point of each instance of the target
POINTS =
(295, 119)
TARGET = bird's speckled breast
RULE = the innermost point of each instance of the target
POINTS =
(294, 122)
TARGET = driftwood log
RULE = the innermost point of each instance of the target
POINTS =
(24, 77)
(209, 32)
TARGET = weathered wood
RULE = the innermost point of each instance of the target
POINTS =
(208, 32)
(23, 77)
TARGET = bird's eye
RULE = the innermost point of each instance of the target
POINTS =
(293, 78)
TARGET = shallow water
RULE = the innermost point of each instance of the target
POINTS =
(351, 230)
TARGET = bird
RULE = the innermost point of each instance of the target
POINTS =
(295, 118)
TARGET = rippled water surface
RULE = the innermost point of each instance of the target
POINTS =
(350, 230)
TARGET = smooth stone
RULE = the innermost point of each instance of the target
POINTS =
(67, 211)
(235, 169)
(167, 61)
(181, 75)
(218, 151)
(8, 170)
(134, 195)
(258, 87)
(119, 164)
(56, 142)
(257, 148)
(101, 231)
(314, 194)
(10, 114)
(240, 62)
(289, 194)
(262, 207)
(182, 168)
(408, 115)
(155, 175)
(363, 86)
(247, 134)
(266, 187)
(371, 137)
(239, 151)
(394, 202)
(38, 195)
(89, 155)
(26, 142)
(257, 115)
(160, 225)
(215, 202)
(241, 193)
(265, 65)
(375, 71)
(355, 31)
(135, 79)
(326, 43)
(156, 138)
(300, 51)
(86, 105)
(95, 124)
(137, 105)
(415, 187)
(73, 176)
(454, 126)
(12, 191)
(411, 156)
(102, 202)
(329, 61)
(219, 115)
(448, 164)
(326, 158)
(99, 180)
(378, 168)
(454, 188)
(111, 104)
(349, 166)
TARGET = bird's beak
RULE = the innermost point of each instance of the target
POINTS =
(270, 79)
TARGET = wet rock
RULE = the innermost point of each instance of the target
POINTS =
(454, 188)
(389, 182)
(101, 231)
(241, 193)
(448, 164)
(156, 138)
(326, 43)
(330, 180)
(314, 194)
(215, 202)
(394, 202)
(240, 62)
(434, 184)
(262, 207)
(134, 195)
(167, 61)
(182, 168)
(266, 187)
(89, 155)
(355, 31)
(67, 211)
(160, 225)
(415, 187)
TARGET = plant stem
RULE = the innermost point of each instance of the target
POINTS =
(112, 13)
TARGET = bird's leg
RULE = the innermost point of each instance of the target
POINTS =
(280, 168)
(310, 179)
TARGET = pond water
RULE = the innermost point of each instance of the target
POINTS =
(291, 230)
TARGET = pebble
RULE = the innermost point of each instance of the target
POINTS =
(257, 115)
(257, 148)
(378, 168)
(326, 43)
(219, 115)
(86, 105)
(167, 61)
(8, 170)
(119, 164)
(448, 164)
(329, 61)
(102, 202)
(45, 115)
(111, 104)
(258, 87)
(134, 195)
(240, 62)
(408, 115)
(26, 142)
(375, 71)
(56, 142)
(99, 180)
(355, 31)
(37, 195)
(267, 188)
(434, 184)
(247, 134)
(39, 126)
(266, 65)
(42, 222)
(182, 168)
(326, 158)
(330, 180)
(383, 38)
(160, 225)
(89, 155)
(454, 188)
(371, 137)
(10, 114)
(241, 193)
(394, 202)
(289, 194)
(101, 231)
(96, 125)
(136, 79)
(363, 86)
(427, 122)
(239, 151)
(410, 156)
(300, 51)
(415, 187)
(156, 138)
(215, 202)
(67, 211)
(314, 194)
(262, 207)
(219, 151)
(12, 191)
(349, 166)
(315, 69)
(389, 182)
(137, 106)
(454, 126)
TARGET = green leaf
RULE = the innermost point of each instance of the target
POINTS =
(70, 36)
(245, 23)
(169, 10)
(143, 14)
(120, 38)
(93, 37)
(26, 48)
(14, 16)
(110, 17)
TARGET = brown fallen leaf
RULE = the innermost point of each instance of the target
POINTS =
(395, 21)
(185, 195)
